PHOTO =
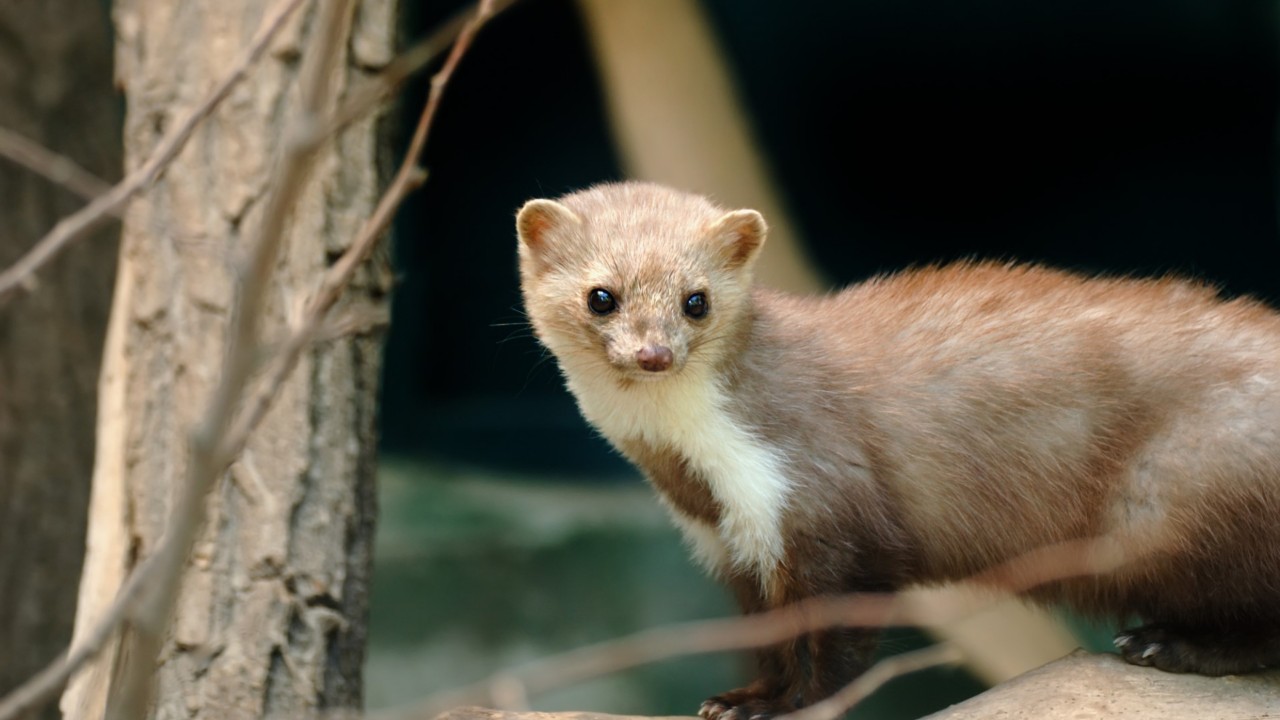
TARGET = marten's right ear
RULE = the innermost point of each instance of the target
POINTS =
(742, 234)
(537, 220)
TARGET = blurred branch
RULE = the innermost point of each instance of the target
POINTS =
(876, 676)
(378, 89)
(57, 168)
(409, 176)
(1066, 560)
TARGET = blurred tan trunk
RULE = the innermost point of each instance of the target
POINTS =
(677, 119)
(271, 617)
(55, 89)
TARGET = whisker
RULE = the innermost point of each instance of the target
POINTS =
(528, 378)
(517, 335)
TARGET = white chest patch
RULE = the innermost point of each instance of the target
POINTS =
(744, 473)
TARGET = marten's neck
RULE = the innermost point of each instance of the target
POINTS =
(690, 416)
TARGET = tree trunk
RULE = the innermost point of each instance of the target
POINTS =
(270, 620)
(55, 89)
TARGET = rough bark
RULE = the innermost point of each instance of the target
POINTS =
(270, 619)
(55, 88)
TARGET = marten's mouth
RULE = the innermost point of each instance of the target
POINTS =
(633, 375)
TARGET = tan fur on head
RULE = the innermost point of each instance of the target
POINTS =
(651, 248)
(742, 233)
(535, 221)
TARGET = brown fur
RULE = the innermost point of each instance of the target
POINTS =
(671, 475)
(940, 421)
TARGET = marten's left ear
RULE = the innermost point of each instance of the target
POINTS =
(538, 217)
(541, 225)
(740, 234)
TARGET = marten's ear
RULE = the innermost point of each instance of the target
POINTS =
(538, 218)
(741, 234)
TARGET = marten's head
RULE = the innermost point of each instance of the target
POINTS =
(635, 281)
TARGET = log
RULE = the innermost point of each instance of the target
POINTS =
(1080, 686)
(479, 713)
(1084, 686)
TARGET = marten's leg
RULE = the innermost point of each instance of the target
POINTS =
(836, 657)
(773, 692)
(780, 679)
(1182, 649)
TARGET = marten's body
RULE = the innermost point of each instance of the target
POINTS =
(923, 427)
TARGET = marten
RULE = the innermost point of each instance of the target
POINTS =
(922, 427)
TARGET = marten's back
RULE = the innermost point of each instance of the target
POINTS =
(998, 409)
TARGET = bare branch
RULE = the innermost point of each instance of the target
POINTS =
(1052, 563)
(872, 680)
(407, 178)
(21, 275)
(408, 63)
(58, 169)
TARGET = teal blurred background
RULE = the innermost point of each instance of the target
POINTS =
(1131, 136)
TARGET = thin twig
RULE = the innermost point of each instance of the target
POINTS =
(45, 685)
(411, 61)
(662, 643)
(21, 275)
(409, 176)
(58, 169)
(874, 678)
(1071, 559)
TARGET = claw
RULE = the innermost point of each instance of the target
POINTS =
(712, 710)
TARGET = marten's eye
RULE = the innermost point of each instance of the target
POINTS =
(601, 301)
(696, 306)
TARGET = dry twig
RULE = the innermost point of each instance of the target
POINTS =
(409, 176)
(58, 169)
(874, 678)
(1052, 563)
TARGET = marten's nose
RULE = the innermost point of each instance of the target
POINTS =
(654, 358)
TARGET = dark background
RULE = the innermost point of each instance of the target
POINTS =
(1133, 136)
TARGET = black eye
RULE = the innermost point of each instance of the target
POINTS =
(696, 306)
(601, 301)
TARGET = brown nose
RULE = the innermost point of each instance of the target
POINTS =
(654, 358)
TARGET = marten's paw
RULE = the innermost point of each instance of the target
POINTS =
(1203, 653)
(744, 704)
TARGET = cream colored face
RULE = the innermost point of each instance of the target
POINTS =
(635, 280)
